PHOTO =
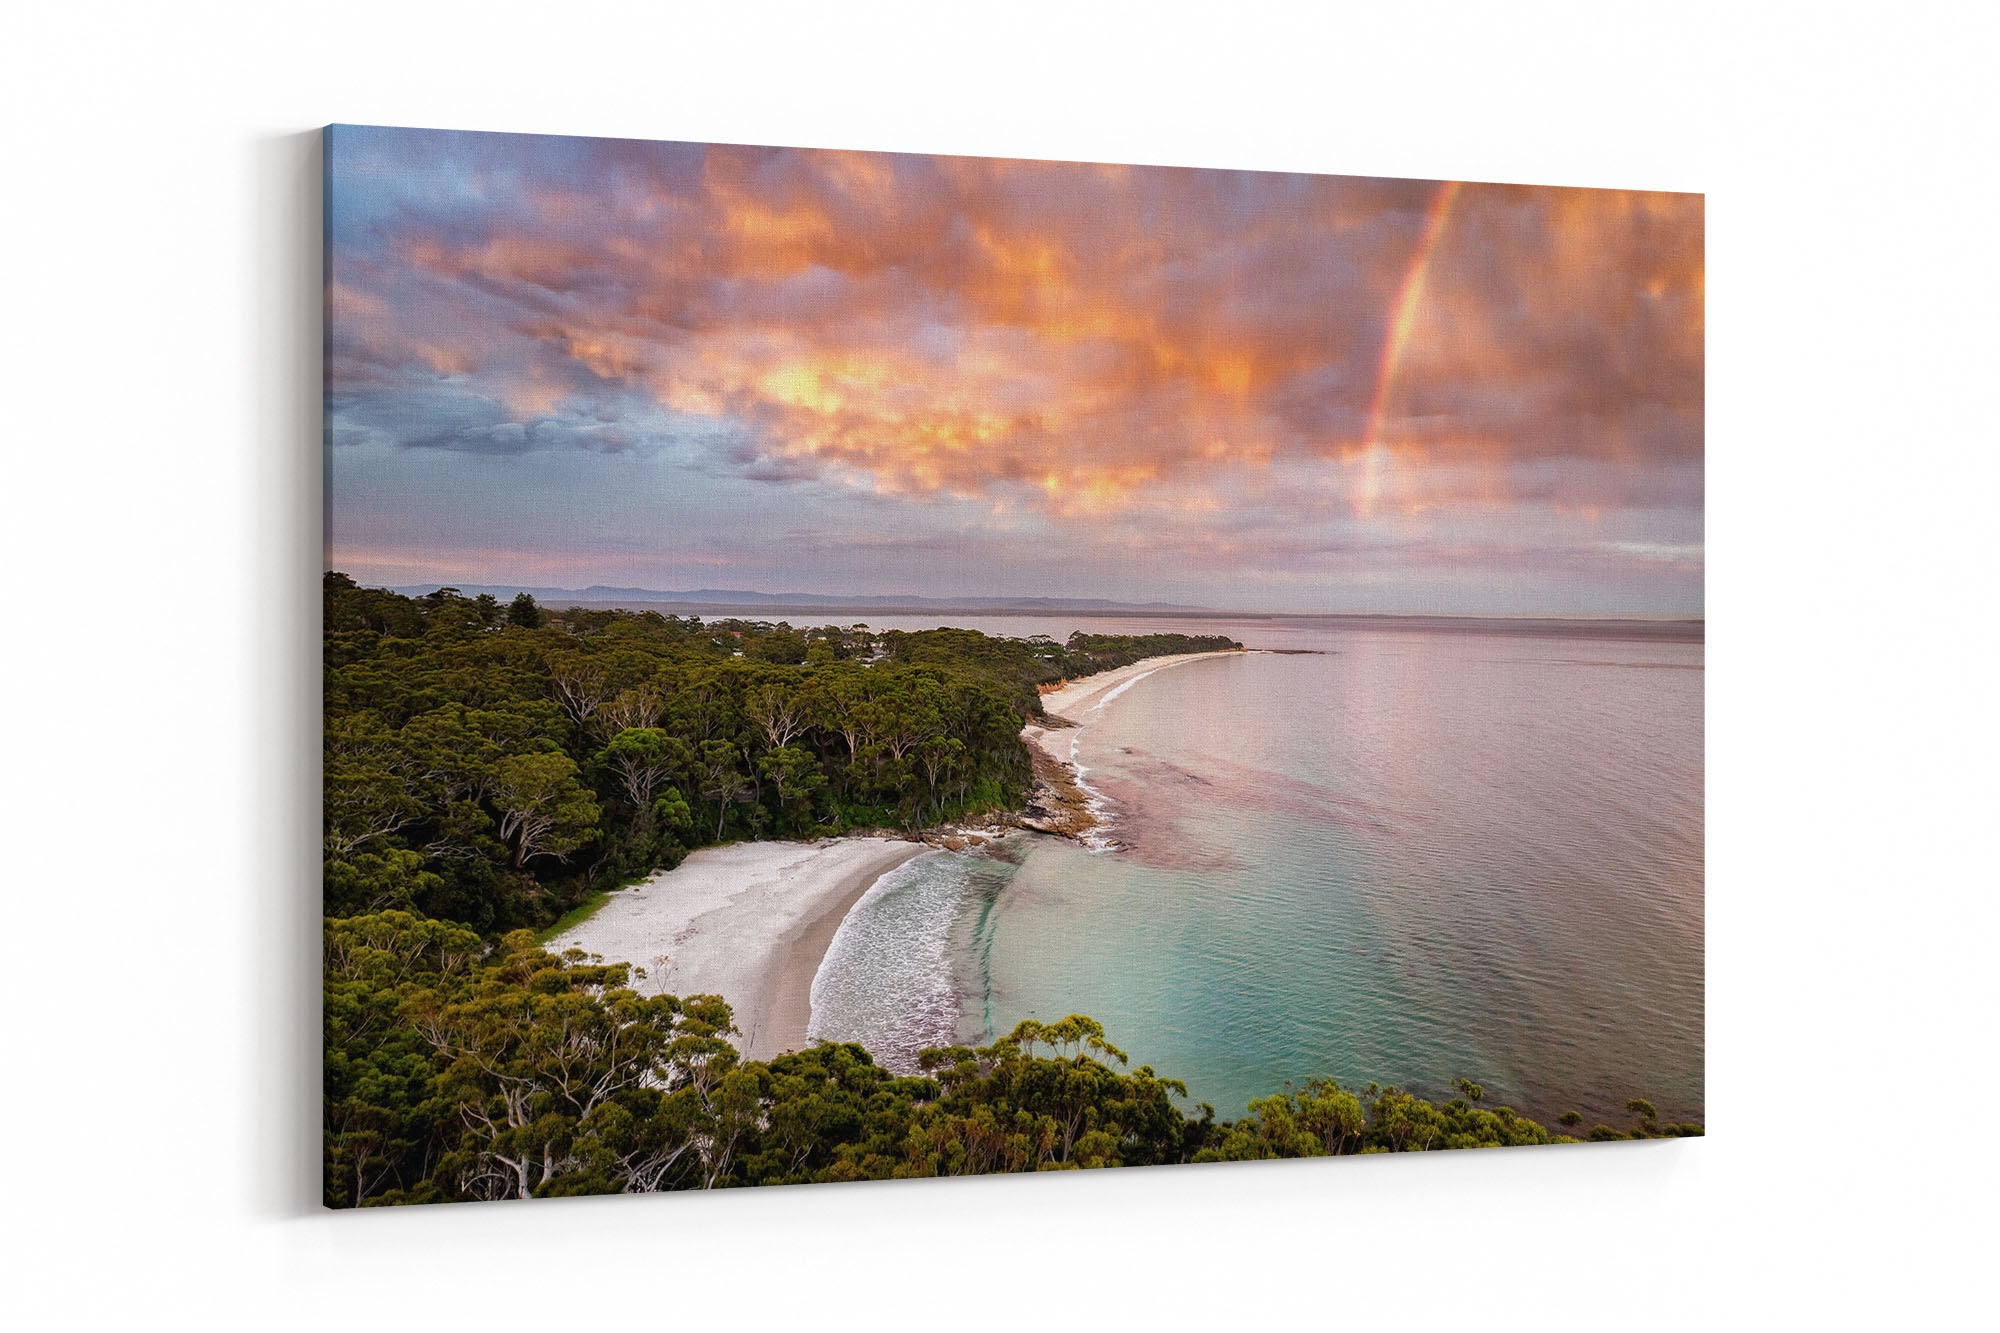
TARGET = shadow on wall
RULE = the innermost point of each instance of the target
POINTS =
(284, 1033)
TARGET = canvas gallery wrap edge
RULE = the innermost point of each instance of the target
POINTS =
(847, 665)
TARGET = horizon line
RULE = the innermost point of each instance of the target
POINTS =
(965, 604)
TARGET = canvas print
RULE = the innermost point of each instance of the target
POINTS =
(855, 666)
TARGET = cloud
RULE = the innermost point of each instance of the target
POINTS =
(1098, 345)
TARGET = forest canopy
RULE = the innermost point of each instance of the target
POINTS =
(496, 765)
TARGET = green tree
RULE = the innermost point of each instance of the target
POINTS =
(722, 779)
(794, 776)
(783, 645)
(382, 1119)
(523, 611)
(423, 705)
(644, 758)
(567, 1081)
(1319, 1120)
(671, 812)
(940, 760)
(544, 810)
(373, 786)
(378, 881)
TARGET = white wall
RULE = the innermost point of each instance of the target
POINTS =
(160, 546)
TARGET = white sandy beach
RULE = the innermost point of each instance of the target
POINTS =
(752, 921)
(749, 922)
(1076, 700)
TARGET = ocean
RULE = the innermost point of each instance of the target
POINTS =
(1400, 852)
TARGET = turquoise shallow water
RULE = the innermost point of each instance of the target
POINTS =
(1407, 857)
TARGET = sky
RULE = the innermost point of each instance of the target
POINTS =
(564, 362)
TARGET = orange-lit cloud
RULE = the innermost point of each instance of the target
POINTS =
(1088, 343)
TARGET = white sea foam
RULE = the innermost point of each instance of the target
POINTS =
(887, 979)
(1123, 686)
(1103, 810)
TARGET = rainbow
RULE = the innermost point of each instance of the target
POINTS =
(1375, 455)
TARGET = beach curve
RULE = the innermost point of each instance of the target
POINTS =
(1063, 803)
(750, 922)
(753, 921)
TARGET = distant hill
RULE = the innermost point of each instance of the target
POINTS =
(740, 599)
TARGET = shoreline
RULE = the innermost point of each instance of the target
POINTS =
(1061, 803)
(750, 922)
(753, 921)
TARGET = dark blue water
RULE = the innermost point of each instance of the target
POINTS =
(1415, 855)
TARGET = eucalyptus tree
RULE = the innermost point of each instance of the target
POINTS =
(556, 1068)
(722, 779)
(644, 759)
(544, 810)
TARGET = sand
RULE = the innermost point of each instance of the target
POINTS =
(749, 922)
(752, 921)
(1077, 701)
(1061, 803)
